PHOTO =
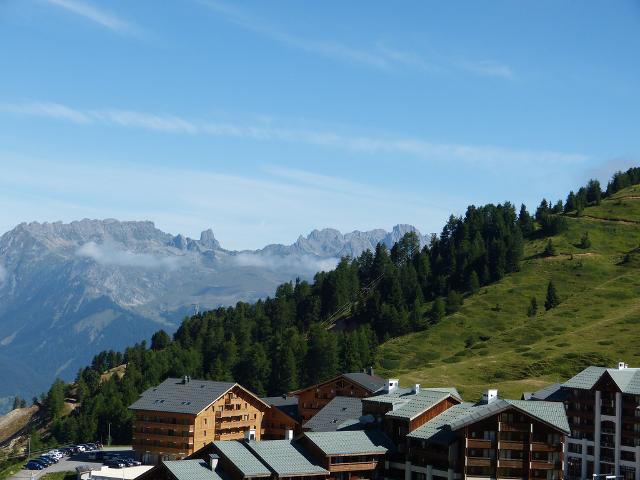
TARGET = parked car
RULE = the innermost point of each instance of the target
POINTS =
(44, 461)
(50, 458)
(32, 465)
(115, 463)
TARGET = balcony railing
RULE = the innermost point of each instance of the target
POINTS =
(544, 465)
(510, 445)
(511, 462)
(545, 447)
(478, 443)
(479, 461)
(514, 427)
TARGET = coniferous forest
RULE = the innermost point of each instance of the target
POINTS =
(309, 331)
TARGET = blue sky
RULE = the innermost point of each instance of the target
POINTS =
(264, 120)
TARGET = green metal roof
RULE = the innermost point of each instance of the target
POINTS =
(191, 470)
(438, 429)
(627, 379)
(243, 459)
(358, 442)
(551, 413)
(417, 404)
(285, 458)
(441, 428)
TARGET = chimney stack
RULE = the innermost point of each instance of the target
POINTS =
(416, 389)
(370, 370)
(288, 434)
(250, 435)
(490, 396)
(213, 461)
(185, 380)
(392, 384)
(622, 366)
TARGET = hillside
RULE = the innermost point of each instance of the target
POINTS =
(71, 290)
(491, 341)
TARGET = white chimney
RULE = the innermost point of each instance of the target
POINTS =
(622, 366)
(288, 434)
(416, 389)
(490, 396)
(250, 434)
(392, 384)
(213, 461)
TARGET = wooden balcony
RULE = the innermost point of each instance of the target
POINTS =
(236, 424)
(165, 426)
(478, 443)
(353, 467)
(544, 465)
(479, 461)
(514, 427)
(163, 437)
(545, 447)
(511, 463)
(510, 445)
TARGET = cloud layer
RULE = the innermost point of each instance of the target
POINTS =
(305, 264)
(167, 123)
(105, 254)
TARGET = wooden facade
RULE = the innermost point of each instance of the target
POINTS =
(161, 435)
(312, 399)
(276, 424)
(365, 465)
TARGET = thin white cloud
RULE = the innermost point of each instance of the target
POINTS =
(380, 57)
(328, 49)
(164, 123)
(488, 68)
(306, 264)
(105, 254)
(51, 110)
(93, 14)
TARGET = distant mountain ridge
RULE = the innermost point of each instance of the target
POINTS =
(70, 290)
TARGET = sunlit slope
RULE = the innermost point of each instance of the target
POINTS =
(492, 342)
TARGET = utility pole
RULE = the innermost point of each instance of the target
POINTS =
(28, 448)
(109, 436)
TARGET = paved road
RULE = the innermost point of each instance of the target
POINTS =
(69, 464)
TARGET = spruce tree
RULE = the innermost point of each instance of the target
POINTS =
(533, 307)
(437, 310)
(552, 300)
(585, 241)
(549, 249)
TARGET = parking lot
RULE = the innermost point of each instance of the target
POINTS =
(69, 464)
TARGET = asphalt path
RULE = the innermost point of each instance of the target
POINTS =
(69, 464)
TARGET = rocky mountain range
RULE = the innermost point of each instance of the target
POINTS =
(68, 291)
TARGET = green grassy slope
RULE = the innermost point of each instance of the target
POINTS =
(491, 342)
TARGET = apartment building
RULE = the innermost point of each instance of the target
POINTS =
(603, 407)
(401, 434)
(281, 421)
(358, 385)
(179, 416)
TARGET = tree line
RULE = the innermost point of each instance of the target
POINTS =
(281, 343)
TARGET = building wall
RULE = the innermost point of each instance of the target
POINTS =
(605, 431)
(158, 435)
(314, 398)
(506, 445)
(275, 424)
(172, 436)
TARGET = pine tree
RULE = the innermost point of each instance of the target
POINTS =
(160, 340)
(570, 204)
(585, 241)
(454, 302)
(549, 249)
(533, 307)
(474, 282)
(552, 299)
(437, 310)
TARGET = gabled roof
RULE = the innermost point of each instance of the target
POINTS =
(407, 405)
(285, 458)
(177, 396)
(358, 442)
(191, 470)
(372, 383)
(418, 403)
(242, 458)
(334, 414)
(627, 379)
(286, 404)
(438, 429)
(551, 413)
(551, 393)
